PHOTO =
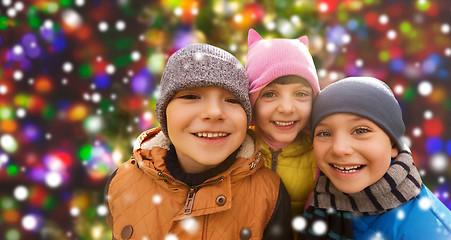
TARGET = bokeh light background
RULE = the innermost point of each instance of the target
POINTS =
(79, 79)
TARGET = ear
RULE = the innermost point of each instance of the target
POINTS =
(304, 40)
(394, 151)
(253, 37)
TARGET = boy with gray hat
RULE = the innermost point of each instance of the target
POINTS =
(200, 175)
(369, 187)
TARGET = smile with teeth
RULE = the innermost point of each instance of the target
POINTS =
(283, 124)
(211, 135)
(347, 169)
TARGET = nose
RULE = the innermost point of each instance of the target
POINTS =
(286, 105)
(213, 110)
(341, 146)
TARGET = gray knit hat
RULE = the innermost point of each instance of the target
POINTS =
(364, 96)
(202, 65)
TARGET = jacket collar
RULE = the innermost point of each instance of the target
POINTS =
(299, 147)
(152, 145)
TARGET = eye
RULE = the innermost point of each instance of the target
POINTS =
(323, 133)
(188, 96)
(361, 130)
(269, 94)
(301, 94)
(232, 100)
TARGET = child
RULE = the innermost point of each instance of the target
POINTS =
(283, 84)
(369, 187)
(200, 176)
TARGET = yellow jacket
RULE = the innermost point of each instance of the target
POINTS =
(296, 166)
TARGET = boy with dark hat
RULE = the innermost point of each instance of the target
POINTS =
(369, 187)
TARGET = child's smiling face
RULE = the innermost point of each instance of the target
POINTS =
(352, 151)
(283, 110)
(205, 125)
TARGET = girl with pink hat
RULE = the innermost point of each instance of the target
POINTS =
(282, 85)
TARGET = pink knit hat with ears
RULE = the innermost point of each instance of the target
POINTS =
(270, 59)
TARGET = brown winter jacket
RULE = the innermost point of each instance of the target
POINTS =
(247, 201)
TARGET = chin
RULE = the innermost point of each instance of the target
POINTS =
(350, 190)
(285, 140)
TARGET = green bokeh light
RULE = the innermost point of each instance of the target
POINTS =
(33, 20)
(85, 153)
(12, 170)
(423, 5)
(409, 94)
(12, 234)
(384, 56)
(405, 27)
(6, 113)
(7, 203)
(3, 22)
(66, 3)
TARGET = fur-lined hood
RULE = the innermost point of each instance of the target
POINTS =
(152, 145)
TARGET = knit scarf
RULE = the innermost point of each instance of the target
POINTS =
(400, 184)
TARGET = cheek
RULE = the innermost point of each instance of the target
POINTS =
(240, 118)
(172, 127)
(319, 152)
(380, 165)
(176, 118)
(383, 166)
(262, 112)
(169, 118)
(305, 109)
(171, 115)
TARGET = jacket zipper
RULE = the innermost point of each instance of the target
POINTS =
(191, 190)
(274, 159)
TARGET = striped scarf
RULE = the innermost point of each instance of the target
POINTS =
(400, 184)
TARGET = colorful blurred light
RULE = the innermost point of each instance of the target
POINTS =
(77, 112)
(71, 19)
(156, 62)
(12, 234)
(31, 132)
(146, 120)
(439, 163)
(430, 65)
(434, 145)
(53, 179)
(36, 174)
(57, 161)
(93, 124)
(20, 193)
(38, 195)
(11, 216)
(101, 81)
(433, 127)
(78, 82)
(8, 143)
(142, 83)
(326, 6)
(97, 160)
(31, 222)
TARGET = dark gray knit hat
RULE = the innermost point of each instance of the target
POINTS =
(202, 65)
(364, 96)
